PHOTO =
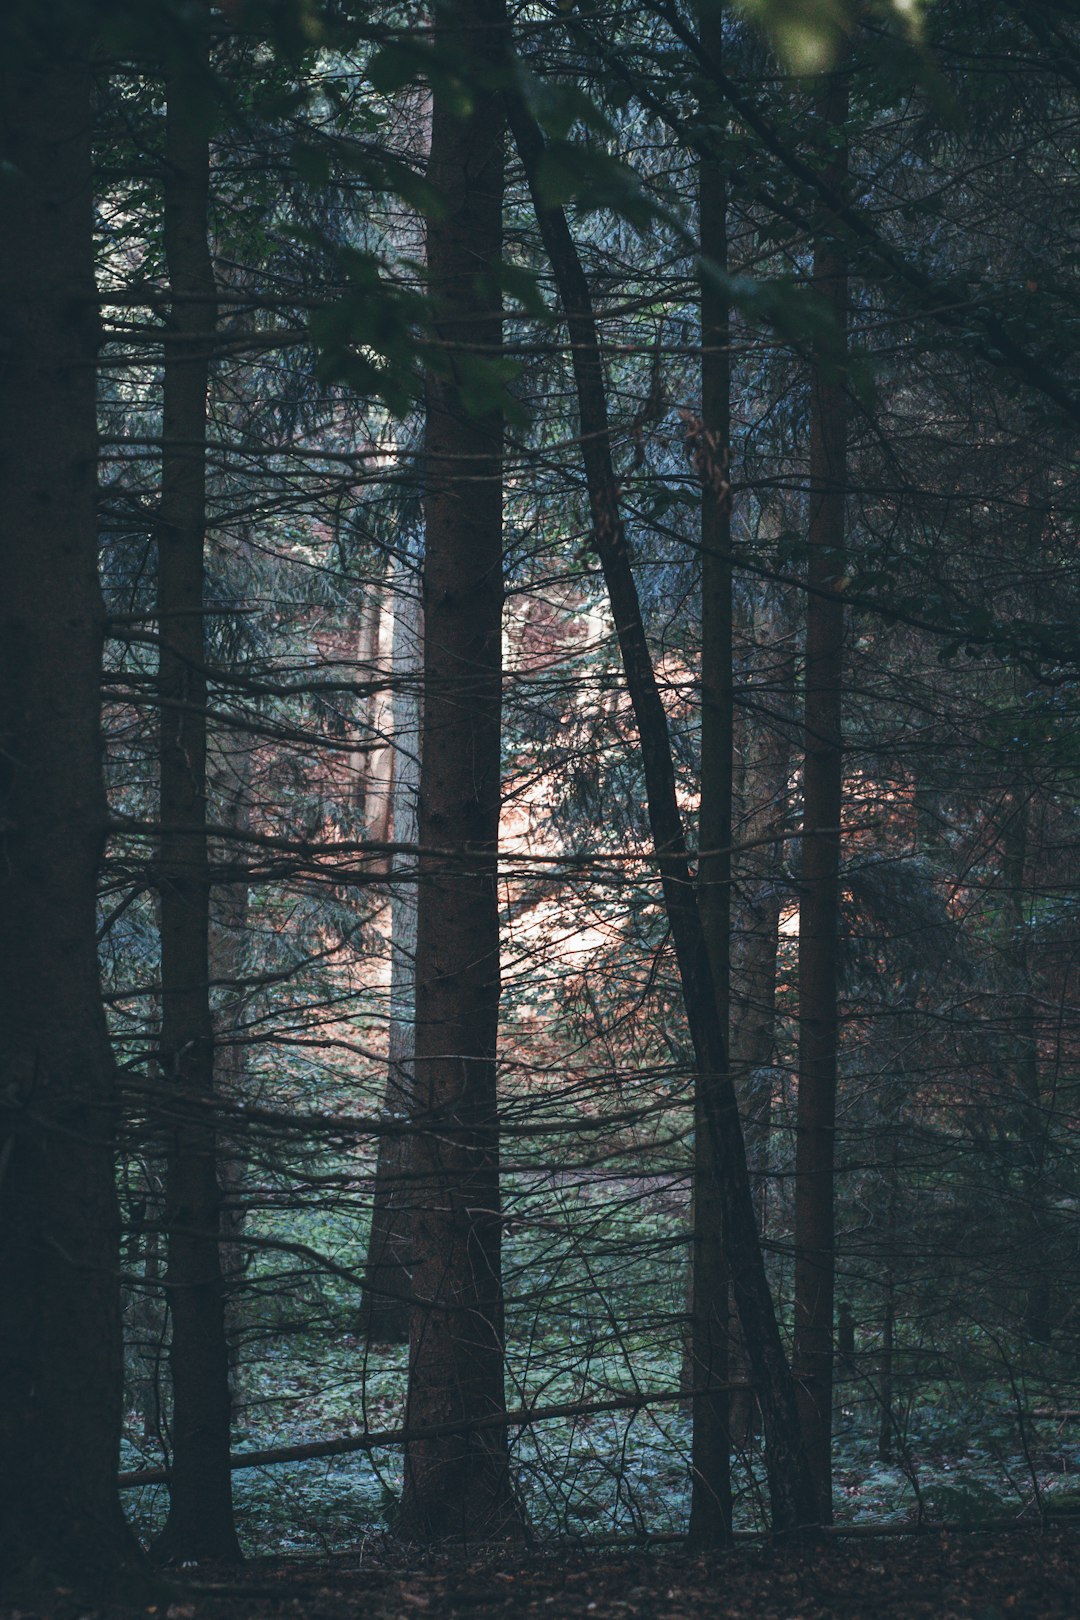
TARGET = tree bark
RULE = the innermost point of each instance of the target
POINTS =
(765, 744)
(200, 1519)
(384, 1308)
(819, 903)
(790, 1486)
(61, 1371)
(710, 1499)
(459, 1486)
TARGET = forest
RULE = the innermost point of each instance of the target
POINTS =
(540, 807)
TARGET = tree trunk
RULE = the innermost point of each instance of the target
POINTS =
(229, 776)
(765, 732)
(790, 1486)
(819, 903)
(887, 1420)
(710, 1501)
(200, 1520)
(384, 1308)
(377, 803)
(61, 1371)
(459, 1485)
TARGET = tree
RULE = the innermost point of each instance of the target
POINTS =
(200, 1522)
(819, 893)
(60, 1352)
(385, 1306)
(790, 1484)
(459, 1484)
(710, 1510)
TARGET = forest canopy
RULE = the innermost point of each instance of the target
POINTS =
(540, 824)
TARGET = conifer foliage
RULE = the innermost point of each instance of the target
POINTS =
(538, 783)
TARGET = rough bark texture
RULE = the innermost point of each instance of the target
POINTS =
(710, 1501)
(790, 1485)
(60, 1348)
(200, 1519)
(384, 1309)
(460, 1486)
(815, 1260)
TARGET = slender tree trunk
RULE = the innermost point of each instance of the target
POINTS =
(765, 731)
(200, 1520)
(61, 1371)
(710, 1501)
(384, 1308)
(460, 1485)
(378, 776)
(815, 1260)
(887, 1424)
(790, 1485)
(367, 647)
(229, 775)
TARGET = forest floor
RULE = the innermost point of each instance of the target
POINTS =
(977, 1576)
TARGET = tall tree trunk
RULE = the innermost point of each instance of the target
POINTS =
(200, 1520)
(764, 731)
(815, 1261)
(710, 1500)
(790, 1485)
(384, 1308)
(460, 1485)
(61, 1371)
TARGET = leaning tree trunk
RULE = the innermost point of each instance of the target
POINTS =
(200, 1519)
(710, 1499)
(790, 1485)
(61, 1372)
(384, 1307)
(819, 901)
(459, 1485)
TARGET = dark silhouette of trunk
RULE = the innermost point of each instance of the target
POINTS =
(764, 732)
(61, 1373)
(815, 1260)
(459, 1485)
(384, 1308)
(764, 744)
(144, 1309)
(200, 1519)
(887, 1423)
(710, 1501)
(790, 1485)
(229, 776)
